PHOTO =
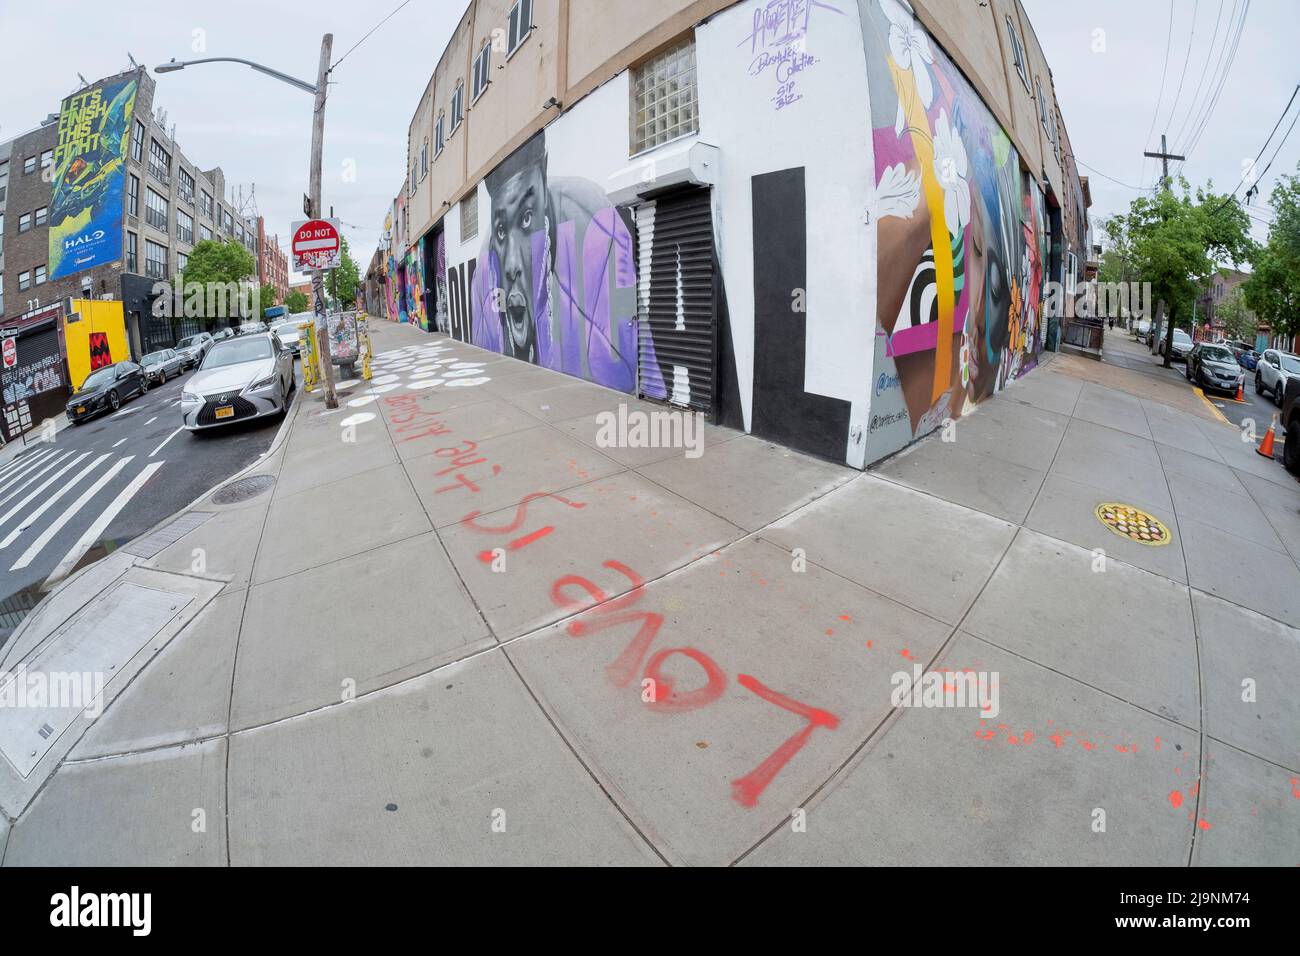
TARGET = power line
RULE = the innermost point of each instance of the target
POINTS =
(1285, 110)
(367, 36)
(1195, 138)
(1192, 106)
(1169, 35)
(1093, 169)
(1187, 57)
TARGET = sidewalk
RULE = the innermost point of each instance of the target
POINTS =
(390, 654)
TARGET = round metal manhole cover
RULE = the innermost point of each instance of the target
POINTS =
(1133, 524)
(243, 489)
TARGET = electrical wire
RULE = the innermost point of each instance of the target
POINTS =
(1214, 101)
(1192, 107)
(336, 63)
(1169, 35)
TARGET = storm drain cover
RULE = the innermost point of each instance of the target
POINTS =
(243, 489)
(169, 534)
(1133, 524)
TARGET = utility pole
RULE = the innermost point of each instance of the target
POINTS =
(317, 280)
(1164, 156)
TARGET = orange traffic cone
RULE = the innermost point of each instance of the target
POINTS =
(1266, 446)
(1241, 391)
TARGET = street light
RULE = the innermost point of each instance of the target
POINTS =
(317, 140)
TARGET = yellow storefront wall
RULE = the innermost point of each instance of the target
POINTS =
(96, 338)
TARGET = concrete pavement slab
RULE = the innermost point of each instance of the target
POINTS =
(941, 787)
(1231, 513)
(483, 420)
(1252, 810)
(748, 481)
(1099, 441)
(624, 518)
(588, 429)
(456, 767)
(865, 530)
(222, 547)
(1125, 631)
(1212, 471)
(499, 472)
(1066, 509)
(1241, 571)
(322, 456)
(1016, 434)
(559, 402)
(362, 512)
(184, 693)
(351, 626)
(1048, 391)
(162, 808)
(4, 837)
(1251, 667)
(686, 767)
(1178, 430)
(1143, 479)
(1103, 406)
(1272, 494)
(950, 471)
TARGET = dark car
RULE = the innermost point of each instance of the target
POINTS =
(1290, 424)
(1212, 366)
(105, 389)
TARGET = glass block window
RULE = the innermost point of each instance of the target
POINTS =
(664, 99)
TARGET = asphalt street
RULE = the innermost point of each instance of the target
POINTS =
(102, 483)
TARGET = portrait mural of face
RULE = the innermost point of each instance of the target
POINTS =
(959, 230)
(556, 278)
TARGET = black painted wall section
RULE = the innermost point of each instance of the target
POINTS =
(783, 411)
(727, 411)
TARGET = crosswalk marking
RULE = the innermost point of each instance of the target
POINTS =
(49, 503)
(105, 518)
(118, 442)
(57, 525)
(45, 484)
(27, 464)
(152, 420)
(166, 440)
(33, 476)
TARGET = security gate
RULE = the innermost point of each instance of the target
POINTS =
(677, 326)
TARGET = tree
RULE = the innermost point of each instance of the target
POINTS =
(216, 268)
(1273, 290)
(296, 302)
(1177, 238)
(343, 283)
(1239, 323)
(268, 297)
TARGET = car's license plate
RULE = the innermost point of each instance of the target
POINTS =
(81, 409)
(225, 411)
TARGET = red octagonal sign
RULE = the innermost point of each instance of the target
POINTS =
(316, 245)
(10, 353)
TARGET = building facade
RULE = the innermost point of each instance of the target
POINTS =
(99, 203)
(272, 262)
(826, 222)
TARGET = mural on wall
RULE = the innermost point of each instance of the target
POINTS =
(440, 281)
(555, 279)
(99, 352)
(415, 286)
(960, 239)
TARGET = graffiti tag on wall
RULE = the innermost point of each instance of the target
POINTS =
(778, 43)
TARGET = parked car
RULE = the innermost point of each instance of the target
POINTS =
(1290, 425)
(224, 333)
(105, 389)
(192, 348)
(250, 376)
(1142, 330)
(159, 366)
(1275, 367)
(288, 333)
(1248, 359)
(1212, 366)
(253, 328)
(1182, 344)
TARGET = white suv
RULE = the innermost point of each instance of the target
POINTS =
(1273, 370)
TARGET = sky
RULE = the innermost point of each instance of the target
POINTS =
(257, 129)
(1109, 95)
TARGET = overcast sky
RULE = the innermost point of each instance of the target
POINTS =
(258, 130)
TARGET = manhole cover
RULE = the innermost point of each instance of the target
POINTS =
(1133, 524)
(243, 489)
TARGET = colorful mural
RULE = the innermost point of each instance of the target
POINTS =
(960, 237)
(555, 280)
(416, 311)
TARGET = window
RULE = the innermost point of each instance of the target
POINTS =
(184, 226)
(1071, 267)
(40, 275)
(155, 260)
(2, 238)
(664, 105)
(182, 260)
(230, 222)
(137, 143)
(155, 210)
(205, 234)
(205, 202)
(47, 159)
(29, 165)
(439, 136)
(424, 159)
(520, 24)
(132, 253)
(2, 293)
(1018, 54)
(133, 195)
(457, 107)
(4, 179)
(41, 215)
(187, 186)
(24, 222)
(160, 162)
(24, 281)
(469, 216)
(482, 63)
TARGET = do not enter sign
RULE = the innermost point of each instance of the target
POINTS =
(10, 352)
(316, 245)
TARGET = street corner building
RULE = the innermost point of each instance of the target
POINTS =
(829, 223)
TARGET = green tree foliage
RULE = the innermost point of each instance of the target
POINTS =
(296, 302)
(1177, 238)
(268, 297)
(345, 280)
(214, 263)
(1273, 290)
(1239, 322)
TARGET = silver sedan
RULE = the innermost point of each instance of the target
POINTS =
(241, 378)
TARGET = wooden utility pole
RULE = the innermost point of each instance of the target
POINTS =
(1164, 156)
(318, 280)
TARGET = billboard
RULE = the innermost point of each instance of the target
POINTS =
(89, 173)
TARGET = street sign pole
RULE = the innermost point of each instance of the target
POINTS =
(317, 280)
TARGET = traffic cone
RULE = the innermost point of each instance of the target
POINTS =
(1241, 391)
(1266, 446)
